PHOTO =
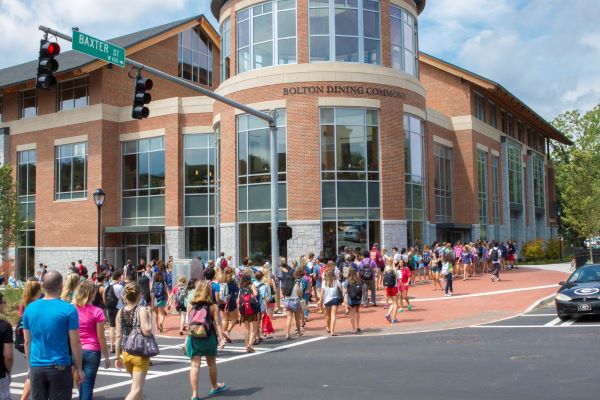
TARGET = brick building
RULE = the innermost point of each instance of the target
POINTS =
(377, 142)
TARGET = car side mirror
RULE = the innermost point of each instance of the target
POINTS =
(562, 283)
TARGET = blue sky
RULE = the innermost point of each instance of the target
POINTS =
(547, 52)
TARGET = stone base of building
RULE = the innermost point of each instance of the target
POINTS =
(306, 237)
(174, 242)
(60, 258)
(229, 241)
(393, 233)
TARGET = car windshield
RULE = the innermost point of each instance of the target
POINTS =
(586, 274)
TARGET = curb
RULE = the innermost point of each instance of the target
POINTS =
(541, 302)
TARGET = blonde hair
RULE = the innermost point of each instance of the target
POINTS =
(84, 293)
(267, 276)
(227, 275)
(71, 284)
(329, 278)
(182, 281)
(203, 293)
(131, 292)
(31, 290)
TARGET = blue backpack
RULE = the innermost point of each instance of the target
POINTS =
(159, 291)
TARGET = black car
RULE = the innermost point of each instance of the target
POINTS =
(580, 294)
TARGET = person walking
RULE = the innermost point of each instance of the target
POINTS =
(131, 316)
(436, 269)
(447, 269)
(331, 298)
(69, 287)
(367, 274)
(353, 286)
(52, 344)
(160, 293)
(292, 294)
(113, 303)
(249, 309)
(204, 336)
(32, 291)
(496, 259)
(391, 279)
(6, 354)
(91, 331)
(405, 274)
(177, 299)
(229, 309)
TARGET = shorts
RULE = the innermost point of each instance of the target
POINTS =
(436, 270)
(5, 388)
(332, 302)
(511, 257)
(391, 291)
(381, 268)
(135, 363)
(403, 288)
(250, 318)
(112, 316)
(160, 304)
(180, 309)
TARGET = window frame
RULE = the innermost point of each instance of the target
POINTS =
(495, 189)
(442, 185)
(491, 116)
(479, 106)
(72, 194)
(22, 99)
(412, 180)
(60, 91)
(226, 42)
(482, 190)
(209, 56)
(405, 17)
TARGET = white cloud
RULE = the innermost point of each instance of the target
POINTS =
(547, 54)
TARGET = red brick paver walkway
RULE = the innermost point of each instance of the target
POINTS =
(483, 302)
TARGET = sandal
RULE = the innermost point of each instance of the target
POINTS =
(219, 389)
(250, 349)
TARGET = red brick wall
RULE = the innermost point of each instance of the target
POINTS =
(445, 92)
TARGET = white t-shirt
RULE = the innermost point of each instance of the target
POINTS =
(499, 255)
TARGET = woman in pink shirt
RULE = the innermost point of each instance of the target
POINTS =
(91, 331)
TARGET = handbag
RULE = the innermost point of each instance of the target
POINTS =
(340, 294)
(138, 344)
(292, 304)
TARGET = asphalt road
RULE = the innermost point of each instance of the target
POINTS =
(530, 356)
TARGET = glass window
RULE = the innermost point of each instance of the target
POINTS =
(195, 56)
(225, 49)
(495, 190)
(26, 189)
(491, 113)
(515, 175)
(538, 182)
(266, 35)
(521, 131)
(443, 183)
(200, 242)
(414, 178)
(200, 179)
(482, 185)
(71, 171)
(1, 107)
(479, 106)
(28, 103)
(350, 178)
(143, 182)
(503, 121)
(510, 120)
(403, 32)
(345, 30)
(73, 94)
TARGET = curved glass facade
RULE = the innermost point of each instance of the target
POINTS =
(266, 35)
(414, 167)
(403, 32)
(345, 30)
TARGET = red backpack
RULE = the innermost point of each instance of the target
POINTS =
(248, 302)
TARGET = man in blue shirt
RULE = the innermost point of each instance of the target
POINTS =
(52, 344)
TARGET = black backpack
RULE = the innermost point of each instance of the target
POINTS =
(20, 337)
(389, 279)
(366, 272)
(111, 297)
(355, 292)
(288, 285)
(494, 255)
(181, 296)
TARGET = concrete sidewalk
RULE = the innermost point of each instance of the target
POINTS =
(475, 301)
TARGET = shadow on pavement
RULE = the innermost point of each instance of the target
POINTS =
(238, 392)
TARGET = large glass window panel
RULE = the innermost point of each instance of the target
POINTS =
(195, 56)
(346, 49)
(403, 33)
(350, 148)
(71, 171)
(263, 54)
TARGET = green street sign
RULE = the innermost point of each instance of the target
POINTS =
(98, 48)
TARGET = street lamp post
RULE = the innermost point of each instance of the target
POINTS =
(99, 200)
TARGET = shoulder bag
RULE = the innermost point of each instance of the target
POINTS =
(138, 344)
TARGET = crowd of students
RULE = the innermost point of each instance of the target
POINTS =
(63, 335)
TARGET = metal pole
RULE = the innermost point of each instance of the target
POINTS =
(179, 81)
(99, 215)
(275, 260)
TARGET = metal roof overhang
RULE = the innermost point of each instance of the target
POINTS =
(134, 229)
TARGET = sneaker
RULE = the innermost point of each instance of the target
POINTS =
(447, 295)
(409, 307)
(387, 316)
(219, 389)
(394, 321)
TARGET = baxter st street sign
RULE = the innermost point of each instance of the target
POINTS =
(98, 48)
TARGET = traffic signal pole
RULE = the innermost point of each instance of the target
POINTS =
(270, 119)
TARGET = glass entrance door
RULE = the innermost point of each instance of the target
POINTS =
(153, 253)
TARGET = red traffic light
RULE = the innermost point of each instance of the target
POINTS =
(50, 49)
(143, 83)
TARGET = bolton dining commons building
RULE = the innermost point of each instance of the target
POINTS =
(376, 141)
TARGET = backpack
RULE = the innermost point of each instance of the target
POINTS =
(494, 255)
(345, 271)
(288, 284)
(20, 337)
(97, 298)
(159, 291)
(224, 296)
(200, 322)
(181, 296)
(355, 293)
(270, 294)
(111, 297)
(389, 279)
(367, 272)
(248, 302)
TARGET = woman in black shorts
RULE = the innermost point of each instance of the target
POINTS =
(228, 306)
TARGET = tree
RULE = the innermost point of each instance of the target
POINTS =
(10, 219)
(578, 172)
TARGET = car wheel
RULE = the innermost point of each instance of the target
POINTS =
(563, 317)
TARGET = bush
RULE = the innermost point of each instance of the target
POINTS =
(552, 249)
(534, 250)
(12, 298)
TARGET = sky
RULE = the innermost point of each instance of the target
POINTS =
(546, 52)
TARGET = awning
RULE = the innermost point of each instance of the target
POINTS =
(134, 229)
(451, 225)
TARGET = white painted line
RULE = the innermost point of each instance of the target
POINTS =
(161, 356)
(535, 326)
(570, 321)
(538, 303)
(464, 296)
(538, 315)
(17, 384)
(555, 321)
(111, 373)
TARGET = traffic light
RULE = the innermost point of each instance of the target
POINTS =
(47, 65)
(141, 98)
(284, 233)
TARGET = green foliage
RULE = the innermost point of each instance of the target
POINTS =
(10, 220)
(12, 298)
(553, 249)
(577, 172)
(534, 250)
